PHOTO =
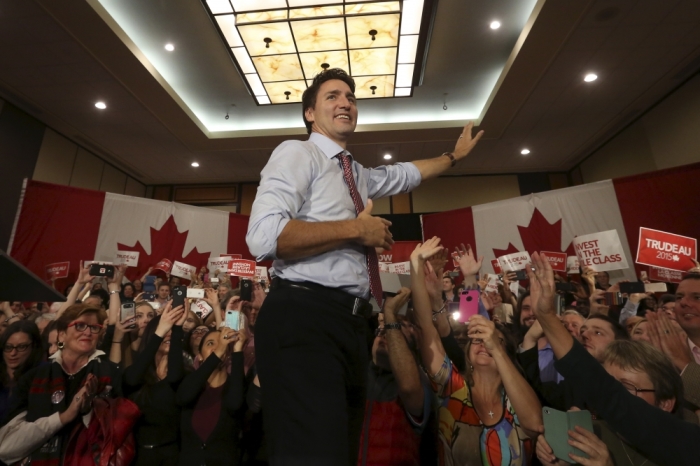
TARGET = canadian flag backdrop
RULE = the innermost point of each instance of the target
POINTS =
(59, 223)
(664, 200)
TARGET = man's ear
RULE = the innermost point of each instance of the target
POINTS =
(667, 405)
(309, 114)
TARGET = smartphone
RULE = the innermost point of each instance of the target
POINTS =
(149, 284)
(39, 306)
(566, 287)
(613, 299)
(179, 293)
(632, 287)
(246, 290)
(468, 304)
(520, 275)
(213, 280)
(233, 320)
(655, 287)
(129, 323)
(128, 310)
(195, 293)
(453, 274)
(556, 427)
(560, 303)
(100, 270)
(149, 296)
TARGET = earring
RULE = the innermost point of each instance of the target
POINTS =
(471, 368)
(60, 345)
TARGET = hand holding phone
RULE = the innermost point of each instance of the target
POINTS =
(102, 270)
(179, 293)
(557, 424)
(127, 311)
(468, 305)
(233, 320)
(246, 290)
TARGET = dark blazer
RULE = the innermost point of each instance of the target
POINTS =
(222, 448)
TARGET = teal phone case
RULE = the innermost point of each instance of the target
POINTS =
(556, 426)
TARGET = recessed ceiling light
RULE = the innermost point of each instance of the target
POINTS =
(387, 156)
(525, 151)
(590, 77)
(101, 105)
(495, 24)
(169, 47)
(195, 164)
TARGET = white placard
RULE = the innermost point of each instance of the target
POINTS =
(202, 308)
(261, 273)
(183, 270)
(515, 261)
(572, 265)
(492, 285)
(384, 267)
(403, 268)
(128, 258)
(600, 251)
(220, 263)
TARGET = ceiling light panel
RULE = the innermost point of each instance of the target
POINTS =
(280, 45)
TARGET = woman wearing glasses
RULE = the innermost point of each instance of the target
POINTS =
(52, 400)
(488, 414)
(21, 351)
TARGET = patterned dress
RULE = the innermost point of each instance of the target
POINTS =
(463, 439)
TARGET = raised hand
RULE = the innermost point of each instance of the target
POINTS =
(487, 301)
(669, 339)
(425, 251)
(394, 303)
(542, 288)
(589, 276)
(468, 263)
(373, 231)
(168, 318)
(84, 275)
(211, 297)
(226, 336)
(596, 307)
(432, 283)
(484, 329)
(466, 142)
(696, 268)
(438, 261)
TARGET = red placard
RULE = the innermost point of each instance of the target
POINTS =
(455, 259)
(666, 250)
(57, 270)
(241, 268)
(557, 260)
(665, 275)
(165, 265)
(496, 266)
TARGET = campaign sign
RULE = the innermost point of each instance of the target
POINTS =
(665, 275)
(261, 273)
(402, 268)
(492, 285)
(202, 308)
(496, 267)
(128, 258)
(384, 267)
(514, 262)
(455, 259)
(57, 270)
(557, 260)
(220, 263)
(165, 265)
(182, 270)
(666, 250)
(600, 251)
(242, 268)
(572, 265)
(233, 256)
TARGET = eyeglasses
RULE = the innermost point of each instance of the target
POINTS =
(81, 326)
(200, 330)
(634, 390)
(20, 348)
(480, 341)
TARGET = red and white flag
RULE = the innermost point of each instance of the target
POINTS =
(60, 223)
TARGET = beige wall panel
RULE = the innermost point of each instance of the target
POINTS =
(87, 172)
(113, 180)
(401, 204)
(226, 208)
(558, 180)
(56, 159)
(450, 193)
(381, 206)
(134, 188)
(672, 127)
(629, 153)
(248, 192)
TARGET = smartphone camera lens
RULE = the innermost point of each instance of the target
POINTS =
(469, 298)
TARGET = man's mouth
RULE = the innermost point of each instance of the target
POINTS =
(342, 117)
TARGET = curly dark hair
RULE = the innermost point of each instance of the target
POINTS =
(34, 359)
(308, 99)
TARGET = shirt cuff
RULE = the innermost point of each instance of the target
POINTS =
(414, 176)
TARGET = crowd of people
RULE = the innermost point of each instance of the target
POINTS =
(171, 386)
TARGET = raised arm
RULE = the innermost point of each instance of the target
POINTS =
(84, 279)
(469, 264)
(432, 352)
(212, 298)
(403, 365)
(430, 168)
(114, 286)
(520, 393)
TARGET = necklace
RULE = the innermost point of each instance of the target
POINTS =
(628, 456)
(491, 414)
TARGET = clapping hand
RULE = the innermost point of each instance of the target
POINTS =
(394, 303)
(468, 263)
(669, 338)
(425, 251)
(542, 288)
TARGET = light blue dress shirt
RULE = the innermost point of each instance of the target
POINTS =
(303, 180)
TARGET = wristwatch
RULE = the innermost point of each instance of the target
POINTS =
(393, 325)
(114, 291)
(451, 157)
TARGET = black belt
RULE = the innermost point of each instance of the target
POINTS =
(356, 306)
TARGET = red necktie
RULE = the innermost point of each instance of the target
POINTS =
(375, 285)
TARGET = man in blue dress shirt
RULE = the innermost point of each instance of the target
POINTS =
(311, 343)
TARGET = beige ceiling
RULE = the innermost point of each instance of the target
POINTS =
(58, 58)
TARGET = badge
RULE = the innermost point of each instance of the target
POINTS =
(57, 396)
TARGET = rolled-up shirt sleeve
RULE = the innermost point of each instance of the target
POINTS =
(284, 182)
(389, 180)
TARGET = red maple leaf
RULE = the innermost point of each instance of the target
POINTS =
(539, 235)
(166, 243)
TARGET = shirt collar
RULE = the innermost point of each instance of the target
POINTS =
(329, 148)
(57, 357)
